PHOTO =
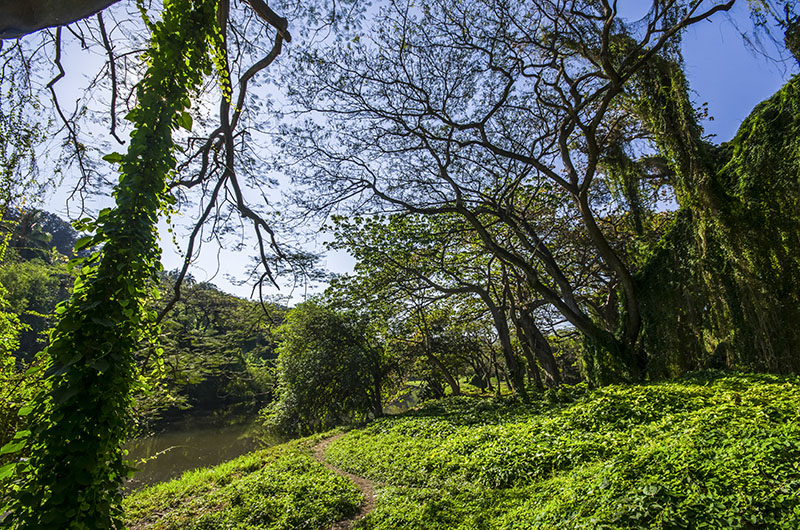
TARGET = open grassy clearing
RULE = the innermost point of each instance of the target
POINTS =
(710, 451)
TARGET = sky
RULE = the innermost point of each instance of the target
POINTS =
(723, 72)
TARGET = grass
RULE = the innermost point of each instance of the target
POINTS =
(279, 488)
(705, 452)
(716, 451)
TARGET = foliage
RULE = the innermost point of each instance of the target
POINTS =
(330, 371)
(35, 288)
(218, 354)
(280, 488)
(43, 235)
(446, 303)
(18, 381)
(712, 450)
(73, 478)
(722, 288)
(216, 346)
(515, 118)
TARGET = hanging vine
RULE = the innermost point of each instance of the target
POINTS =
(721, 289)
(78, 422)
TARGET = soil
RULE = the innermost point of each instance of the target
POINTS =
(366, 486)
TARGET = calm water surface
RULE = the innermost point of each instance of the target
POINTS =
(186, 446)
(196, 442)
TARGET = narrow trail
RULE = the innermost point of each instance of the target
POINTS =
(366, 486)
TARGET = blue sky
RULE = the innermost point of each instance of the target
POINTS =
(722, 71)
(728, 75)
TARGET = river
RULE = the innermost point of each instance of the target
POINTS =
(202, 442)
(187, 445)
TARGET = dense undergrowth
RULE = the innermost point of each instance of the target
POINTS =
(704, 452)
(279, 488)
(709, 451)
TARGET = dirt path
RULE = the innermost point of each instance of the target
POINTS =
(366, 486)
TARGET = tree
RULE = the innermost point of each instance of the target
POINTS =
(81, 417)
(727, 266)
(16, 385)
(219, 351)
(422, 271)
(330, 371)
(487, 111)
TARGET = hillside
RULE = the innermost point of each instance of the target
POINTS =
(712, 450)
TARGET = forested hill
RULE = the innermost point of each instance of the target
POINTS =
(216, 346)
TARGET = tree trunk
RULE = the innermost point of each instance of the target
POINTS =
(446, 373)
(636, 364)
(542, 349)
(78, 467)
(517, 381)
(533, 370)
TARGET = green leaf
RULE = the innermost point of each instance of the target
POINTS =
(83, 242)
(61, 395)
(114, 158)
(7, 470)
(12, 447)
(185, 120)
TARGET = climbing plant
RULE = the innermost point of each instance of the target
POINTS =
(721, 288)
(78, 422)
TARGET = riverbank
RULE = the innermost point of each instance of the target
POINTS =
(710, 451)
(279, 487)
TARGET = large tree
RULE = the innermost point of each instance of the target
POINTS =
(79, 420)
(488, 110)
(331, 370)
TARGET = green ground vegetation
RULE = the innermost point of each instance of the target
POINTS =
(712, 450)
(279, 488)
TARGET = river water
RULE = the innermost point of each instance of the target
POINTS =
(202, 442)
(185, 446)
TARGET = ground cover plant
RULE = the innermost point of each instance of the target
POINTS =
(279, 488)
(708, 451)
(712, 450)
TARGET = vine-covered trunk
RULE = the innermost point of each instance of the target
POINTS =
(75, 475)
(723, 288)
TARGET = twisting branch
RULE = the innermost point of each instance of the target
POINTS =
(271, 18)
(113, 70)
(67, 123)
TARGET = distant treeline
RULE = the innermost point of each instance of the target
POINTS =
(217, 347)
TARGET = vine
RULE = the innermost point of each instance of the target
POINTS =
(721, 289)
(79, 421)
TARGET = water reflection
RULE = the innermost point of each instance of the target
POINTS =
(186, 446)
